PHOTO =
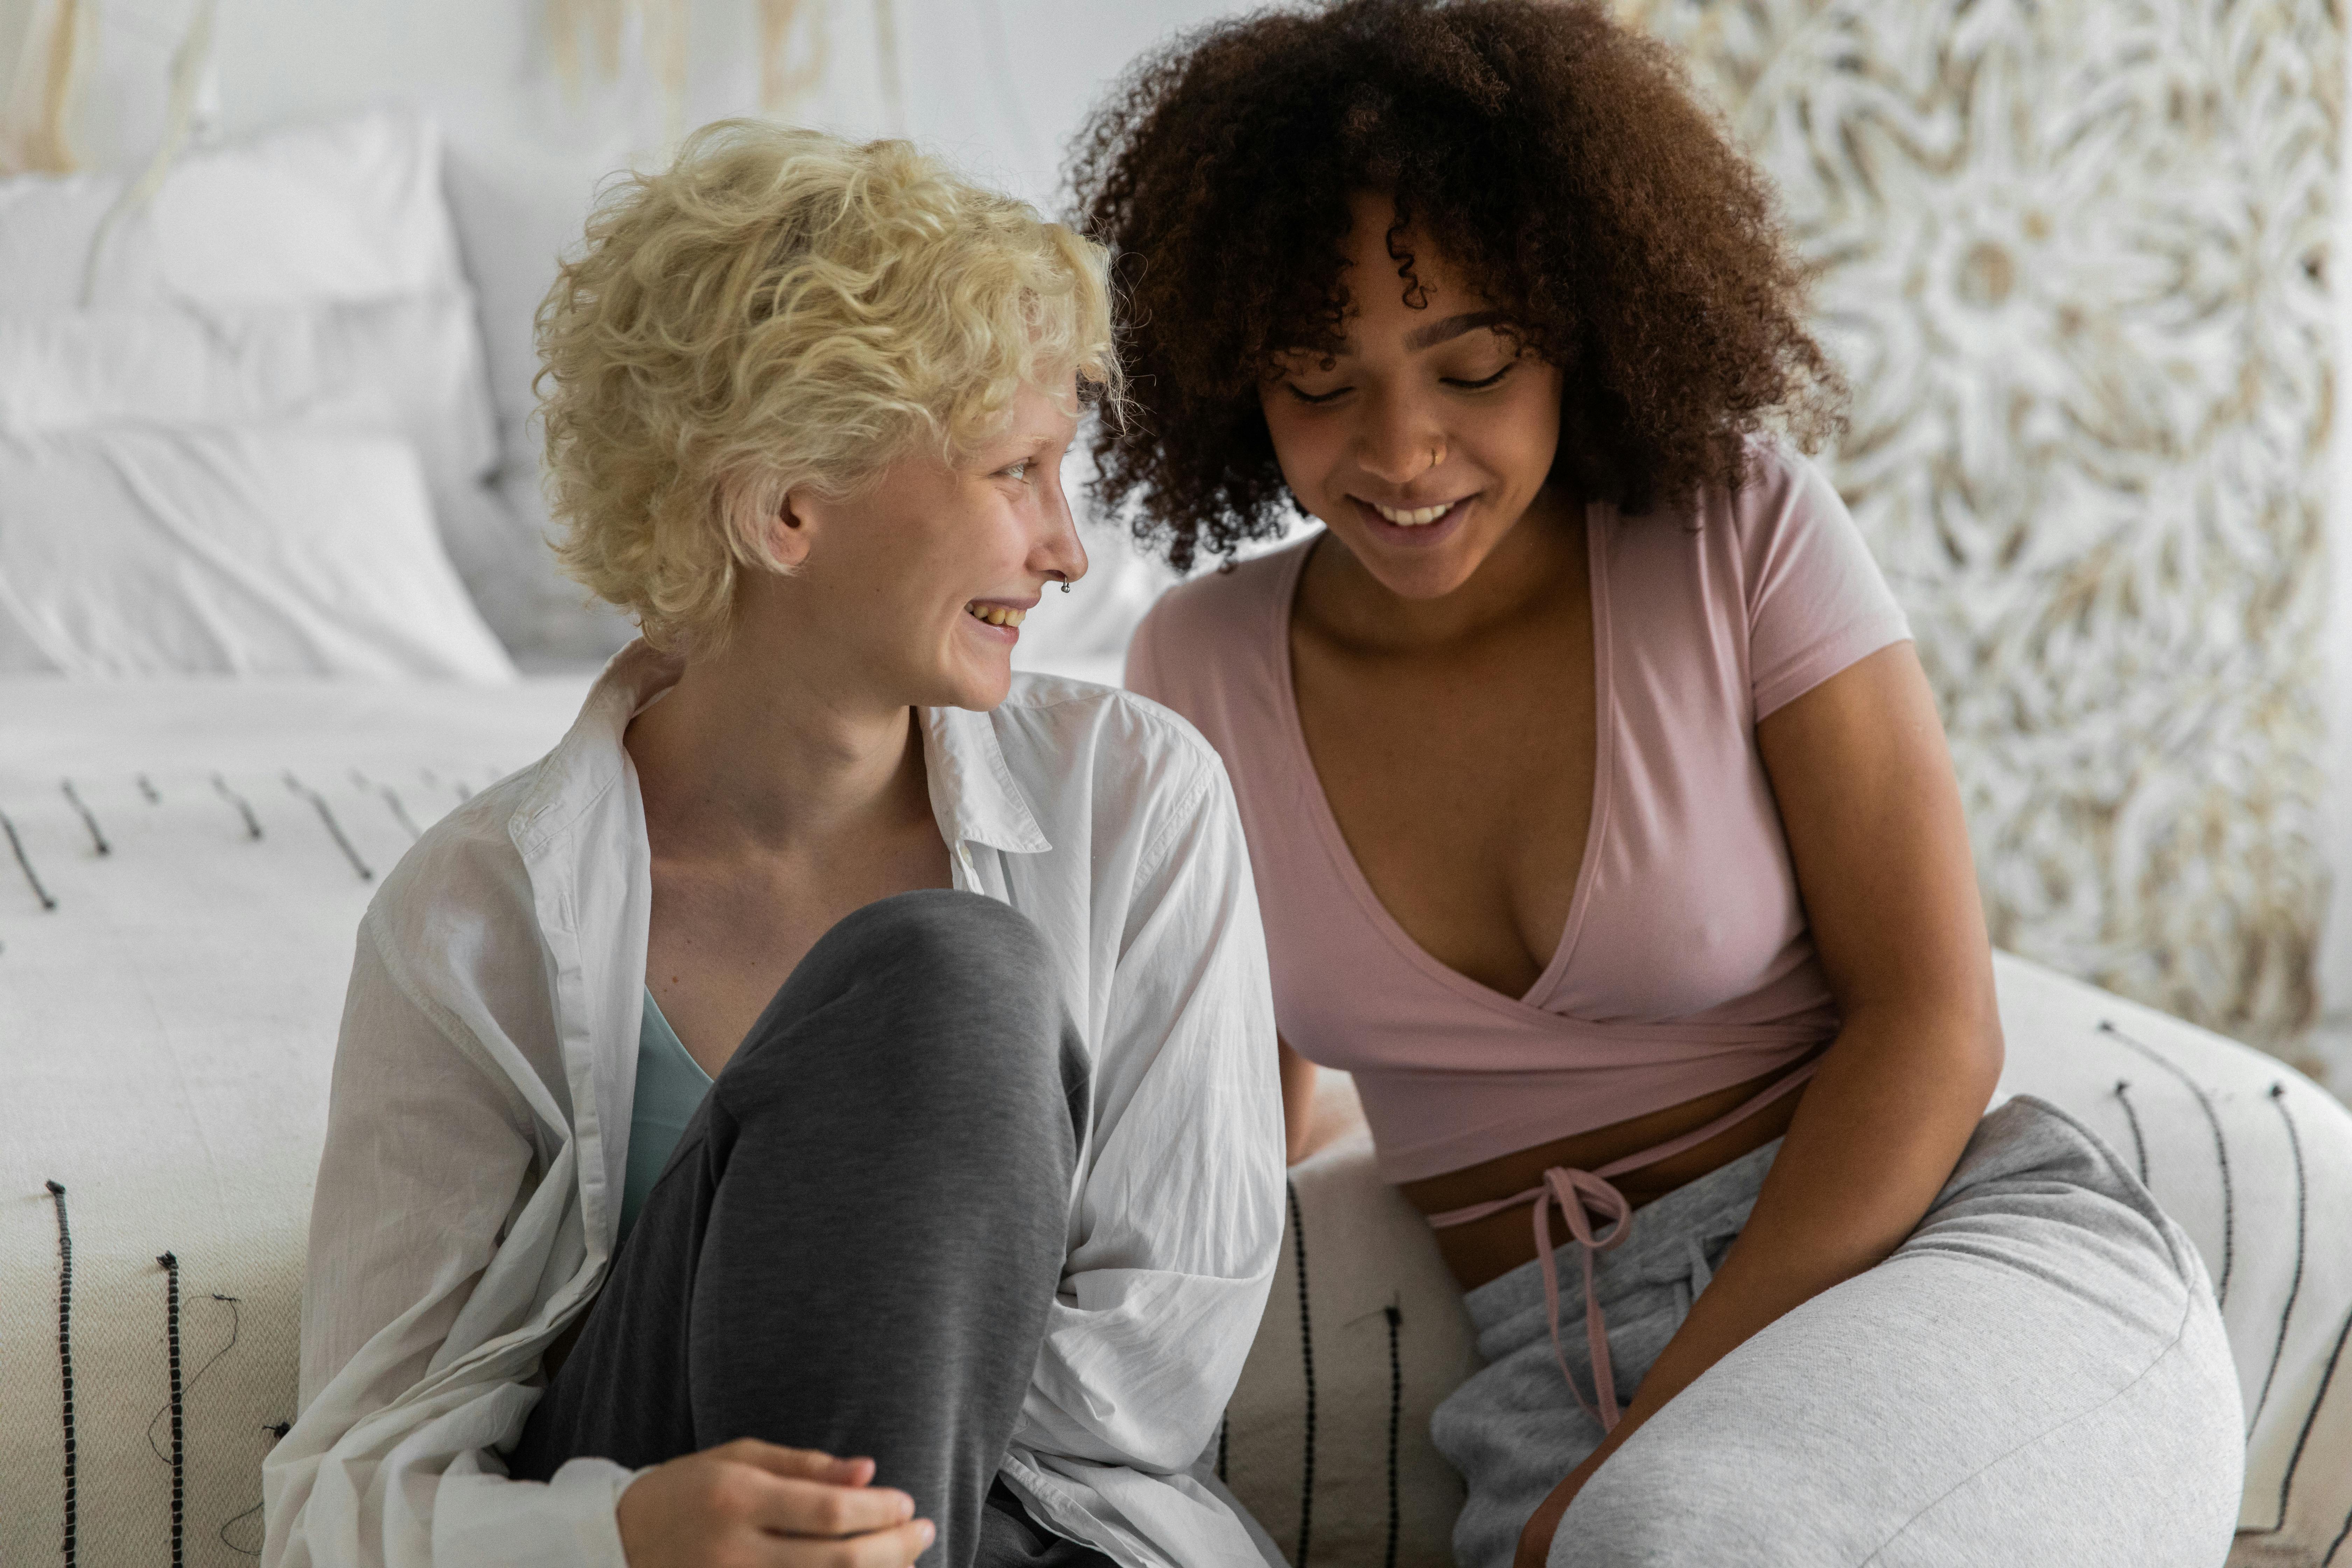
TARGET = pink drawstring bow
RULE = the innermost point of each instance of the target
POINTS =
(1580, 1196)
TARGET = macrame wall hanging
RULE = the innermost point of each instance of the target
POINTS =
(794, 43)
(44, 51)
(2073, 256)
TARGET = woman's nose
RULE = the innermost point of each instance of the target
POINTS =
(1398, 442)
(1059, 553)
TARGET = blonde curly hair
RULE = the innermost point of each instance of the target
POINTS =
(780, 308)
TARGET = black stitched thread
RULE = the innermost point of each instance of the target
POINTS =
(1396, 1423)
(334, 829)
(2294, 1287)
(65, 1369)
(244, 807)
(399, 812)
(2310, 1418)
(2139, 1143)
(225, 1539)
(24, 864)
(184, 1388)
(327, 815)
(89, 819)
(2337, 1544)
(2220, 1156)
(1225, 1430)
(179, 1427)
(1307, 1361)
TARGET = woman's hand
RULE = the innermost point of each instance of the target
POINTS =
(749, 1504)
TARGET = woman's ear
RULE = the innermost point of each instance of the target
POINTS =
(771, 525)
(786, 528)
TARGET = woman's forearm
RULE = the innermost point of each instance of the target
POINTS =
(1297, 1103)
(1882, 1124)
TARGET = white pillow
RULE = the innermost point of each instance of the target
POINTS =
(408, 366)
(128, 552)
(346, 210)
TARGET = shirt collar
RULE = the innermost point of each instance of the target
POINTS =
(973, 794)
(973, 790)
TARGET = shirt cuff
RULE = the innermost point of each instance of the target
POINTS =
(571, 1521)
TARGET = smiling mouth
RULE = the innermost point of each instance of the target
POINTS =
(1415, 517)
(994, 614)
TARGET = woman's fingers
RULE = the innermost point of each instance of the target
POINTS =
(748, 1502)
(803, 1464)
(790, 1506)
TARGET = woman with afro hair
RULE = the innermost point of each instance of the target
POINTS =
(1603, 820)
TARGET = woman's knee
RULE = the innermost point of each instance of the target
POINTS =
(941, 944)
(1686, 1505)
(938, 1003)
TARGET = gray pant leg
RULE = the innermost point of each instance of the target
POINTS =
(2037, 1377)
(855, 1247)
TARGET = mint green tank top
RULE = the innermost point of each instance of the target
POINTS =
(670, 1085)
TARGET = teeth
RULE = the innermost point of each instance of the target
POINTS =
(995, 615)
(1419, 517)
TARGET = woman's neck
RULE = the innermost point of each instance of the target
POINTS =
(746, 753)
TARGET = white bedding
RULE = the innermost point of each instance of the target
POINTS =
(248, 552)
(168, 1029)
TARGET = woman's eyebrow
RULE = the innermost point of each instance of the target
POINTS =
(1437, 333)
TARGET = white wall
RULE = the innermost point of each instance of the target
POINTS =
(998, 84)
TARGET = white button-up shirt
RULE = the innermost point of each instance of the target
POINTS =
(470, 1194)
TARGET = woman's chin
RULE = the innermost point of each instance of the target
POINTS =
(977, 680)
(1417, 573)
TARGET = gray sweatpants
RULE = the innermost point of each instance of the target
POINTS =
(2037, 1377)
(855, 1244)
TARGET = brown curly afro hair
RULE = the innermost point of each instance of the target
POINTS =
(1556, 158)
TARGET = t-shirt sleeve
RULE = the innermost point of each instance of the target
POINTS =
(1817, 602)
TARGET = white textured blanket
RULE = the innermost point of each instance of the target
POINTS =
(177, 905)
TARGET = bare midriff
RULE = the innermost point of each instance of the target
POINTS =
(1484, 1249)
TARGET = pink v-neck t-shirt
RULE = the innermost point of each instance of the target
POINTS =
(1686, 965)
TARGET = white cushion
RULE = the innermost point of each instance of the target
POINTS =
(2260, 1180)
(406, 366)
(347, 210)
(158, 550)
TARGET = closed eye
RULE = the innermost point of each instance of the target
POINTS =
(1312, 398)
(1481, 384)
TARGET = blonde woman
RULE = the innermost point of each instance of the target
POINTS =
(824, 1112)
